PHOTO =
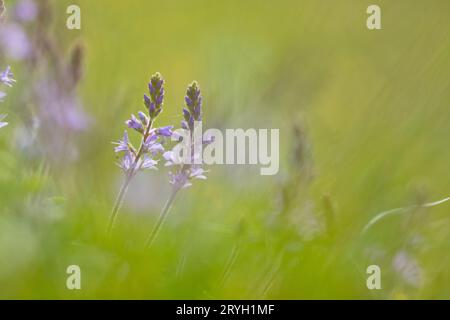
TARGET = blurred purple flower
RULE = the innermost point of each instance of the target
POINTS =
(14, 42)
(6, 77)
(59, 106)
(26, 10)
(50, 87)
(408, 268)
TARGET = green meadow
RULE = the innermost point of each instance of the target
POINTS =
(364, 128)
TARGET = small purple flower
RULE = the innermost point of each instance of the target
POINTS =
(127, 162)
(172, 158)
(143, 117)
(147, 100)
(159, 99)
(148, 163)
(135, 124)
(152, 145)
(179, 180)
(182, 179)
(122, 145)
(165, 131)
(188, 101)
(197, 173)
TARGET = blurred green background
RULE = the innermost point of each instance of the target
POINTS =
(364, 126)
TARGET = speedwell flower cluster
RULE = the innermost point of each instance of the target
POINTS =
(136, 159)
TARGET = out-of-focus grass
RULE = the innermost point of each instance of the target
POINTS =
(374, 106)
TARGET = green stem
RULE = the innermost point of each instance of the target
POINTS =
(118, 203)
(162, 218)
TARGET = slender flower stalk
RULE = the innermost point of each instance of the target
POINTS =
(6, 77)
(185, 170)
(137, 159)
(162, 217)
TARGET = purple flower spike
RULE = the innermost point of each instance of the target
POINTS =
(193, 101)
(155, 101)
(187, 170)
